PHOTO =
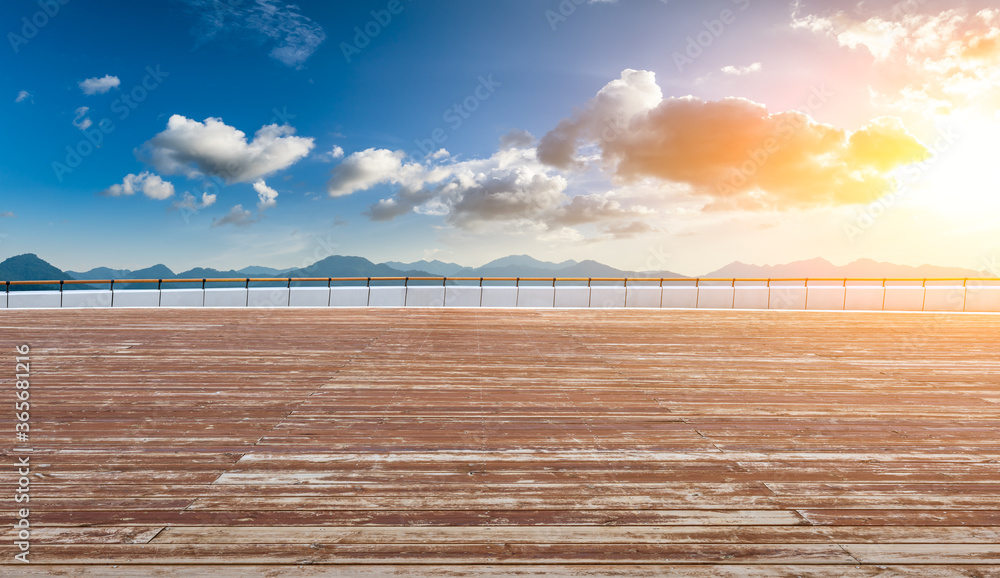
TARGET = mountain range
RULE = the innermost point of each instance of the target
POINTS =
(30, 267)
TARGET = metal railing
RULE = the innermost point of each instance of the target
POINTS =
(625, 281)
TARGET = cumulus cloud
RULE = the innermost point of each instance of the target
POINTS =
(509, 191)
(935, 62)
(214, 149)
(742, 70)
(268, 196)
(333, 154)
(733, 150)
(149, 184)
(605, 116)
(292, 36)
(102, 85)
(517, 139)
(594, 208)
(237, 216)
(81, 121)
(191, 204)
(24, 96)
(365, 169)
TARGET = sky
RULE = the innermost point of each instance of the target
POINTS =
(645, 134)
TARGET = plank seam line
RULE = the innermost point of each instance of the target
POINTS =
(154, 536)
(848, 552)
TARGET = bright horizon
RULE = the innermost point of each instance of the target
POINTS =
(644, 136)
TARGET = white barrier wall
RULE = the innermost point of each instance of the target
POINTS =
(945, 298)
(349, 297)
(903, 298)
(864, 298)
(387, 297)
(33, 300)
(425, 297)
(182, 298)
(309, 297)
(788, 297)
(86, 299)
(684, 297)
(937, 296)
(751, 297)
(500, 297)
(607, 297)
(981, 299)
(267, 297)
(226, 297)
(715, 297)
(457, 296)
(576, 297)
(826, 298)
(643, 297)
(137, 298)
(536, 297)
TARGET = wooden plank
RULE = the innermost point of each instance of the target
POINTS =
(481, 439)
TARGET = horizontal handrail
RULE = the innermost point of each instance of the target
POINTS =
(517, 280)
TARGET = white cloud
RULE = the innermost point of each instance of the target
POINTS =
(733, 151)
(148, 183)
(742, 70)
(363, 170)
(510, 191)
(99, 85)
(215, 149)
(936, 62)
(81, 121)
(605, 116)
(293, 36)
(237, 216)
(23, 96)
(191, 204)
(333, 154)
(268, 196)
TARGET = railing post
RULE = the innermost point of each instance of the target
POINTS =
(769, 294)
(112, 293)
(61, 283)
(883, 294)
(807, 295)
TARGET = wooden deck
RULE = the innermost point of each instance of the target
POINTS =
(501, 443)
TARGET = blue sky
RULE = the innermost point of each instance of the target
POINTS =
(336, 166)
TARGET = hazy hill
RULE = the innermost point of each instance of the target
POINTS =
(29, 267)
(819, 268)
(433, 267)
(340, 266)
